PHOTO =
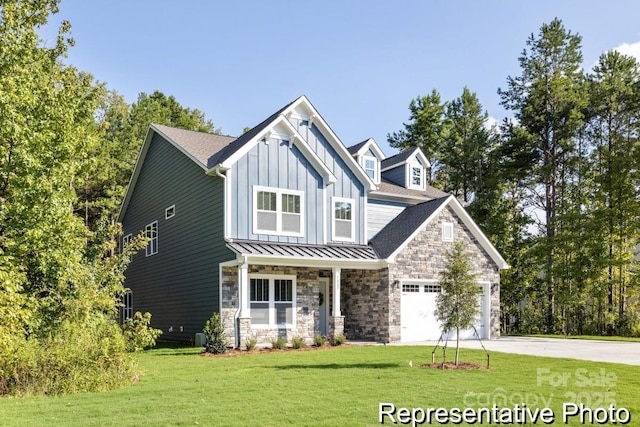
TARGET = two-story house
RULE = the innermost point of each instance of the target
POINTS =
(287, 232)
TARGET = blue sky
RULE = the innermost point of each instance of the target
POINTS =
(359, 62)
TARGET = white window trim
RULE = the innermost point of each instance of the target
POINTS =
(448, 237)
(376, 167)
(148, 252)
(166, 212)
(279, 192)
(409, 171)
(272, 306)
(126, 240)
(335, 200)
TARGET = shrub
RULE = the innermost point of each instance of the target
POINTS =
(319, 340)
(297, 343)
(138, 332)
(279, 343)
(77, 357)
(251, 343)
(214, 335)
(339, 339)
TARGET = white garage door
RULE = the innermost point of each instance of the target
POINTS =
(417, 317)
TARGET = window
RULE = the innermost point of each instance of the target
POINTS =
(371, 167)
(151, 232)
(433, 288)
(126, 240)
(278, 211)
(170, 212)
(410, 288)
(343, 219)
(447, 232)
(272, 300)
(126, 311)
(416, 176)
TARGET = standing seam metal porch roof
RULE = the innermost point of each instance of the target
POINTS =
(316, 252)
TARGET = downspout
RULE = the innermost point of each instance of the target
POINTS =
(236, 315)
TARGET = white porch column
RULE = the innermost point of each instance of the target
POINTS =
(243, 285)
(336, 292)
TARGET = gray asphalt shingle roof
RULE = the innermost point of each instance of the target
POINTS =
(354, 148)
(200, 145)
(388, 187)
(398, 158)
(402, 227)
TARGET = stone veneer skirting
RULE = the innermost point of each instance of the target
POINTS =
(307, 305)
(425, 257)
(370, 299)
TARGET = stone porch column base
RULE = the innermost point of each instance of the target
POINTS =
(244, 328)
(336, 326)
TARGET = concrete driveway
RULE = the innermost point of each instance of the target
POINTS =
(599, 351)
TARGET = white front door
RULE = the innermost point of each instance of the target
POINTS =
(323, 310)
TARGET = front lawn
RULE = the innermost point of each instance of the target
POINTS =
(334, 387)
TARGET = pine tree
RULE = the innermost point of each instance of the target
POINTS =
(548, 100)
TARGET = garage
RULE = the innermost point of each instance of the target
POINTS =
(417, 312)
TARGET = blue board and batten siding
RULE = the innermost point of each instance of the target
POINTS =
(279, 164)
(275, 165)
(347, 185)
(179, 285)
(397, 175)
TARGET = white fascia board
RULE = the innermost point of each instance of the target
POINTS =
(477, 233)
(471, 225)
(371, 143)
(306, 150)
(297, 140)
(392, 197)
(391, 258)
(334, 141)
(423, 159)
(416, 153)
(142, 154)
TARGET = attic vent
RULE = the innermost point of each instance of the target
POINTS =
(447, 232)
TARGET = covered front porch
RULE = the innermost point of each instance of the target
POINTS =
(289, 291)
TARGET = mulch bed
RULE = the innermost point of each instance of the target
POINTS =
(462, 366)
(233, 352)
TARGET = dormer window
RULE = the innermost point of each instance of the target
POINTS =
(371, 167)
(416, 176)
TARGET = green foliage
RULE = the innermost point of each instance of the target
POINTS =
(297, 343)
(76, 357)
(457, 305)
(319, 340)
(279, 343)
(110, 158)
(216, 342)
(251, 343)
(57, 286)
(339, 339)
(138, 332)
(426, 128)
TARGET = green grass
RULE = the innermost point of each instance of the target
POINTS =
(585, 337)
(334, 387)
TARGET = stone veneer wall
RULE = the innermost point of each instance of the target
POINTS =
(365, 304)
(307, 304)
(425, 257)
